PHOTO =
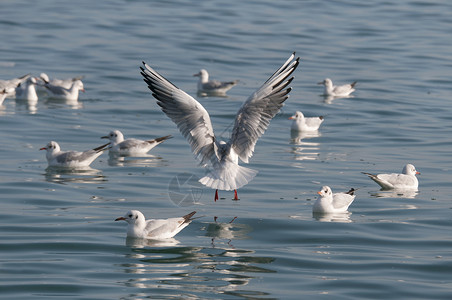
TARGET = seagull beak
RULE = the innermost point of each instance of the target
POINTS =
(418, 173)
(43, 148)
(83, 90)
(197, 74)
(120, 219)
(105, 137)
(321, 82)
(291, 118)
(320, 193)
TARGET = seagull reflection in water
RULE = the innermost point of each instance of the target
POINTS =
(79, 175)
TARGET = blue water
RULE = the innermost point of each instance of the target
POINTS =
(58, 238)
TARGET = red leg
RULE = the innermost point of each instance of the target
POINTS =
(235, 195)
(216, 195)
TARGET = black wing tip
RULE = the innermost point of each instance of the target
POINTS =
(101, 148)
(351, 192)
(187, 217)
(353, 83)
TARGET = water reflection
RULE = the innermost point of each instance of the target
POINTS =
(116, 160)
(80, 175)
(395, 194)
(53, 103)
(28, 105)
(329, 99)
(157, 267)
(333, 217)
(303, 150)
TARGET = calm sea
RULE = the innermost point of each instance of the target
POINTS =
(58, 238)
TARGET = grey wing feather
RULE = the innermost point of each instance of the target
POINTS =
(56, 90)
(256, 113)
(190, 116)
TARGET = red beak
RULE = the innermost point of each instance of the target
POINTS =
(120, 219)
(43, 148)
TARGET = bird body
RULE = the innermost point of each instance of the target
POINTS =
(9, 85)
(333, 203)
(212, 86)
(131, 146)
(405, 181)
(27, 90)
(64, 83)
(337, 90)
(302, 123)
(71, 159)
(139, 227)
(70, 94)
(251, 122)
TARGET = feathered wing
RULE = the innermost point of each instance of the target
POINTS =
(189, 115)
(256, 113)
(167, 228)
(342, 200)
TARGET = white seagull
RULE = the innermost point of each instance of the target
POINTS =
(139, 227)
(64, 83)
(59, 92)
(10, 85)
(71, 159)
(251, 121)
(213, 86)
(27, 90)
(130, 147)
(405, 181)
(337, 90)
(333, 203)
(302, 123)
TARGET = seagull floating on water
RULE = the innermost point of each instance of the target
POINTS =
(69, 94)
(71, 159)
(3, 94)
(213, 86)
(337, 90)
(9, 86)
(64, 83)
(130, 147)
(333, 203)
(139, 227)
(405, 181)
(27, 90)
(251, 122)
(302, 123)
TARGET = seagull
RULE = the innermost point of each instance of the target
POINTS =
(337, 91)
(71, 159)
(139, 227)
(64, 83)
(333, 203)
(405, 181)
(27, 90)
(10, 85)
(119, 145)
(59, 92)
(251, 121)
(213, 86)
(301, 123)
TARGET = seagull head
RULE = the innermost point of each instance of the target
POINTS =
(51, 147)
(297, 116)
(203, 75)
(325, 191)
(409, 169)
(44, 77)
(114, 136)
(78, 84)
(326, 82)
(132, 217)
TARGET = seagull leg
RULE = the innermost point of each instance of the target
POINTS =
(235, 195)
(216, 195)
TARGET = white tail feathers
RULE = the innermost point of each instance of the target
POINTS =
(230, 177)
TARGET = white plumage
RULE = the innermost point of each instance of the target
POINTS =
(333, 203)
(251, 122)
(27, 90)
(302, 123)
(405, 181)
(69, 94)
(337, 90)
(139, 227)
(71, 159)
(213, 86)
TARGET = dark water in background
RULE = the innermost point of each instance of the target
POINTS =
(58, 238)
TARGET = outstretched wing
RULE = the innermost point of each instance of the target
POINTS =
(256, 113)
(189, 115)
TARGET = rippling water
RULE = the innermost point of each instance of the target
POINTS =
(58, 237)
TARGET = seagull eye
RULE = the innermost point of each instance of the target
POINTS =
(130, 216)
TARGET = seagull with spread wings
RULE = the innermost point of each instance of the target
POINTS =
(251, 121)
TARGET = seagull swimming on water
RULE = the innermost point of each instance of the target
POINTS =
(213, 86)
(64, 83)
(302, 123)
(337, 90)
(69, 94)
(333, 203)
(71, 159)
(27, 90)
(405, 181)
(251, 121)
(139, 227)
(131, 146)
(9, 85)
